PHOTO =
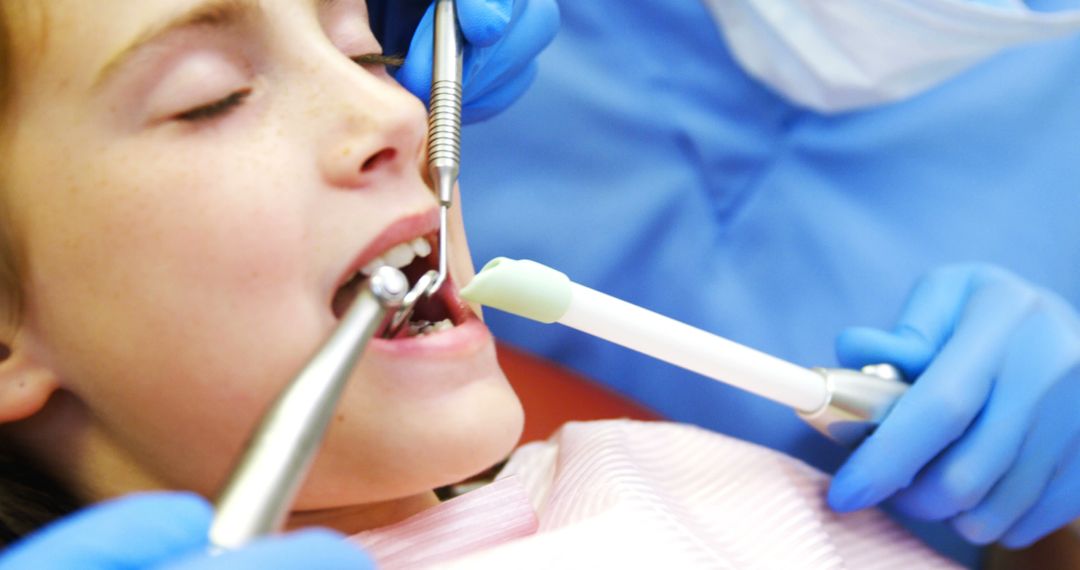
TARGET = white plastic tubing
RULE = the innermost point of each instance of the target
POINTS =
(680, 344)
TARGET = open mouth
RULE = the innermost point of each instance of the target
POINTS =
(433, 313)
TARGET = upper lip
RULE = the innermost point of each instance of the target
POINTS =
(402, 230)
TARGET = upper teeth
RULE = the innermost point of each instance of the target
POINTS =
(399, 256)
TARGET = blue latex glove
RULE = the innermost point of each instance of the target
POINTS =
(168, 530)
(503, 39)
(987, 434)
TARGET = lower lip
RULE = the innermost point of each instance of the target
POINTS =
(464, 339)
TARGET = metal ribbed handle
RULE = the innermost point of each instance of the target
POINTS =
(444, 120)
(444, 125)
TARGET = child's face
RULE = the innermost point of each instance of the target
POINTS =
(187, 211)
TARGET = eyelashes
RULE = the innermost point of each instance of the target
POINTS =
(223, 106)
(379, 59)
(215, 109)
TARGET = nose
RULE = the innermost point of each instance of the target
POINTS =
(377, 135)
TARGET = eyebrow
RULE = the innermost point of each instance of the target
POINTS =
(212, 14)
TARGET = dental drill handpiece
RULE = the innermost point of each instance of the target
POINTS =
(264, 483)
(444, 120)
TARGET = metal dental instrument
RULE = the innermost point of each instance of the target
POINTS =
(264, 483)
(842, 404)
(444, 122)
(444, 143)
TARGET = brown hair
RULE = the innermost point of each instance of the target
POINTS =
(29, 498)
(10, 289)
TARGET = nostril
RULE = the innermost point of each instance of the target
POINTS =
(378, 159)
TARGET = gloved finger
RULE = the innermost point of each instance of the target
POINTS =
(1035, 359)
(395, 22)
(488, 70)
(503, 72)
(532, 28)
(321, 549)
(483, 22)
(1059, 505)
(1017, 492)
(936, 303)
(940, 405)
(132, 532)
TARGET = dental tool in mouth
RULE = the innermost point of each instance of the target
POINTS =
(444, 146)
(264, 483)
(842, 404)
(426, 311)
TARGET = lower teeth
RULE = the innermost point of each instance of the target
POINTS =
(423, 328)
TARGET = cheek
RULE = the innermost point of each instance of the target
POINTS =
(163, 242)
(173, 300)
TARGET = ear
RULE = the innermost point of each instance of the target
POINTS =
(25, 385)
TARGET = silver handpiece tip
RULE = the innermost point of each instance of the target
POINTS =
(389, 286)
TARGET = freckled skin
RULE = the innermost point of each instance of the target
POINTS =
(177, 276)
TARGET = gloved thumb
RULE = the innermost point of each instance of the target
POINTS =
(905, 348)
(925, 325)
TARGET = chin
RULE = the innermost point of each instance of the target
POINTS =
(416, 446)
(469, 444)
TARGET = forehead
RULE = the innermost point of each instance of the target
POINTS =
(82, 38)
(82, 35)
(57, 43)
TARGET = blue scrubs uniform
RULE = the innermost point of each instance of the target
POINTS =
(646, 164)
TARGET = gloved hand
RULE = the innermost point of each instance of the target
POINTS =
(503, 39)
(168, 530)
(987, 435)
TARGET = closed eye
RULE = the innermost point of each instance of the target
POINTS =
(223, 106)
(216, 109)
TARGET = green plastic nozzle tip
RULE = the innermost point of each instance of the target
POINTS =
(521, 287)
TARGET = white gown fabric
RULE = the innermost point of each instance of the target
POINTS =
(840, 55)
(624, 494)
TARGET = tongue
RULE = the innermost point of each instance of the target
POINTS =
(432, 309)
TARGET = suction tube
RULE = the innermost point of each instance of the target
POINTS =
(843, 404)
